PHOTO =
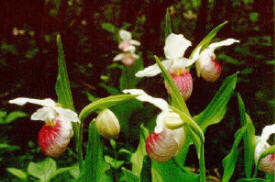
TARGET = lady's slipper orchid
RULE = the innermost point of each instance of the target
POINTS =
(267, 164)
(207, 67)
(107, 124)
(174, 49)
(55, 135)
(164, 143)
(127, 43)
(128, 58)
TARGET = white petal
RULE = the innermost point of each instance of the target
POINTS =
(131, 49)
(134, 42)
(135, 56)
(267, 131)
(144, 97)
(181, 63)
(118, 57)
(160, 124)
(44, 114)
(67, 115)
(175, 46)
(125, 35)
(22, 101)
(153, 70)
(225, 42)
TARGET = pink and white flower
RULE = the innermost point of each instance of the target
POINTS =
(207, 66)
(267, 164)
(127, 43)
(55, 135)
(164, 143)
(175, 63)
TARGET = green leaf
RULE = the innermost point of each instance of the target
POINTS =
(229, 59)
(95, 166)
(109, 27)
(3, 113)
(138, 156)
(248, 138)
(18, 173)
(14, 115)
(102, 104)
(205, 42)
(109, 89)
(128, 176)
(177, 99)
(270, 62)
(254, 16)
(62, 87)
(63, 170)
(216, 109)
(168, 27)
(114, 163)
(229, 162)
(8, 147)
(252, 180)
(170, 171)
(75, 172)
(42, 170)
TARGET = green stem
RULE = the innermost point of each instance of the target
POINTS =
(202, 165)
(78, 129)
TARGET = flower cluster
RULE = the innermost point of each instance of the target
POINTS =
(127, 46)
(177, 65)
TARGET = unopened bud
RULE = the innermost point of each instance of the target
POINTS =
(53, 138)
(161, 146)
(184, 82)
(107, 124)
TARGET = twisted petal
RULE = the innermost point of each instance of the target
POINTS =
(144, 97)
(67, 115)
(125, 35)
(23, 100)
(225, 42)
(118, 57)
(44, 114)
(153, 70)
(175, 46)
(134, 42)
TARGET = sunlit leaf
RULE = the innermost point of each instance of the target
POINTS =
(248, 138)
(138, 156)
(109, 27)
(63, 88)
(18, 173)
(102, 104)
(42, 170)
(114, 163)
(177, 99)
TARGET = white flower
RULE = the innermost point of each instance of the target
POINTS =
(207, 66)
(49, 111)
(57, 131)
(267, 164)
(160, 145)
(174, 49)
(127, 58)
(127, 43)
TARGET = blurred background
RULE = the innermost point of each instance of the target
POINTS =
(28, 59)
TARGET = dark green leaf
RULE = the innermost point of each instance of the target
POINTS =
(8, 147)
(252, 180)
(168, 26)
(109, 27)
(216, 109)
(229, 162)
(248, 138)
(95, 166)
(128, 176)
(114, 163)
(14, 115)
(63, 88)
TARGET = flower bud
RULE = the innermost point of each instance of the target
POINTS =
(209, 69)
(54, 137)
(161, 146)
(107, 124)
(267, 164)
(184, 82)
